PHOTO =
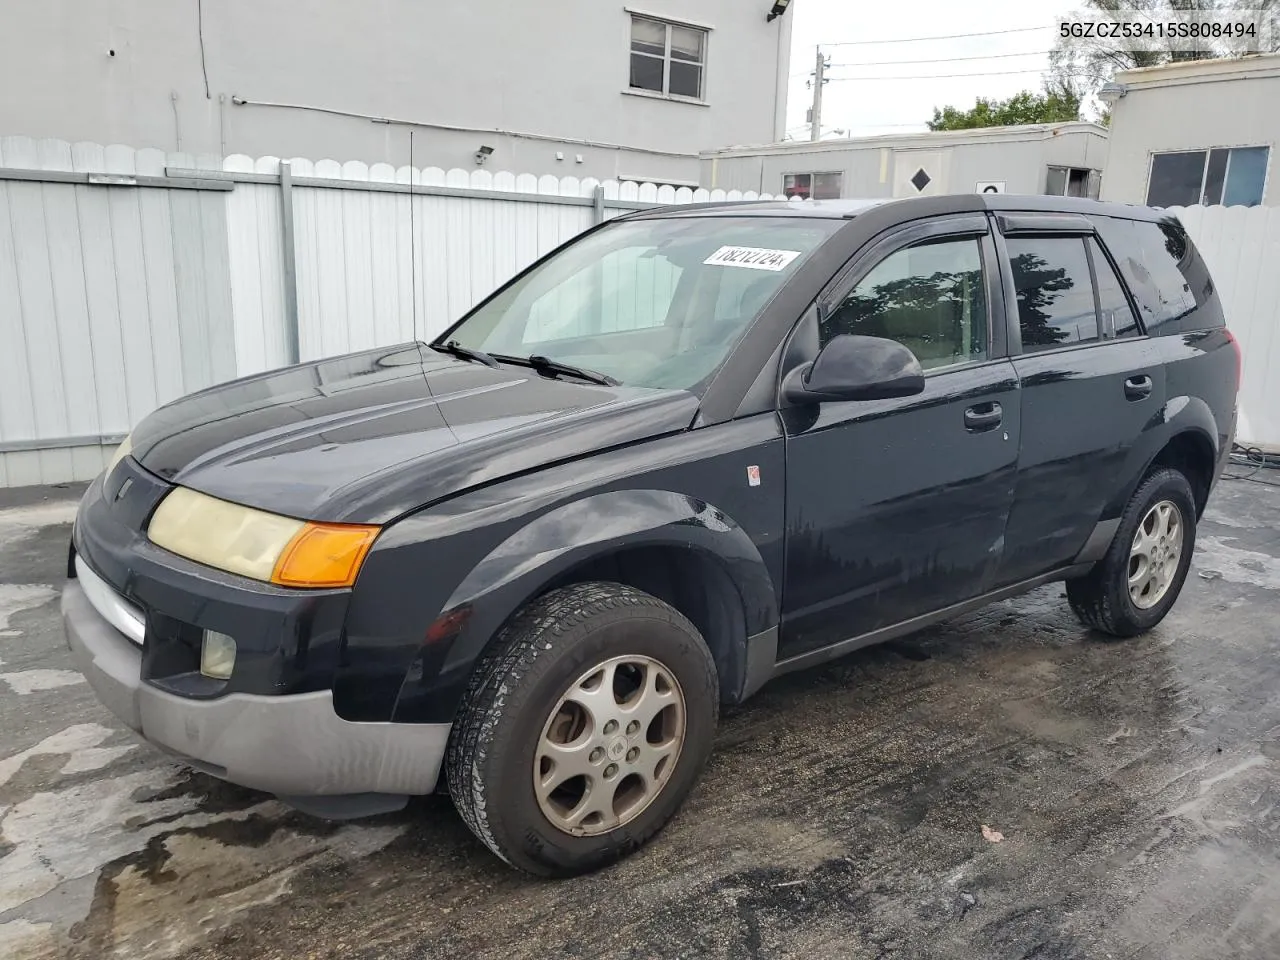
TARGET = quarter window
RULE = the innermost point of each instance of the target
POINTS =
(1233, 176)
(813, 186)
(928, 297)
(1055, 293)
(667, 58)
(1157, 263)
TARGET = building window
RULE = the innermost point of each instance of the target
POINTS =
(1072, 182)
(813, 186)
(1227, 176)
(667, 58)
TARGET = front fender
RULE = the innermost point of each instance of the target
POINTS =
(556, 542)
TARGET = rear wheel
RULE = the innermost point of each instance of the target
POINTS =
(584, 728)
(1139, 579)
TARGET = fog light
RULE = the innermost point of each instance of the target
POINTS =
(217, 655)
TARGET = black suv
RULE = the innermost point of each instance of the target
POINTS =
(689, 451)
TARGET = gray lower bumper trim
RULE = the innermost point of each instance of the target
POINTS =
(294, 745)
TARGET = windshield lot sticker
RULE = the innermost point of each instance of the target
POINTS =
(753, 258)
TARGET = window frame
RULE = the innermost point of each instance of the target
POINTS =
(1206, 154)
(811, 174)
(667, 23)
(1092, 180)
(1057, 225)
(937, 229)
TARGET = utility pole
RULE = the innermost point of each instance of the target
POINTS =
(819, 80)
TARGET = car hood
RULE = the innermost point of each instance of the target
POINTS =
(367, 437)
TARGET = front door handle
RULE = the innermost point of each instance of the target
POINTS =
(983, 416)
(1137, 388)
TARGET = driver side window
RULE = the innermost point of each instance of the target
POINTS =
(929, 297)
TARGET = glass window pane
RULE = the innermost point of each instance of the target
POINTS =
(1055, 295)
(1155, 261)
(686, 79)
(646, 72)
(1117, 316)
(826, 186)
(1245, 176)
(1175, 179)
(1055, 183)
(930, 298)
(649, 36)
(1077, 182)
(686, 44)
(634, 299)
(796, 185)
(1214, 177)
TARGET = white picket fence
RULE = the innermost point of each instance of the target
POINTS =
(130, 277)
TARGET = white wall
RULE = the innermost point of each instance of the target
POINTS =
(1184, 113)
(556, 69)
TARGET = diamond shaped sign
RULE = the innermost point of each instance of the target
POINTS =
(921, 179)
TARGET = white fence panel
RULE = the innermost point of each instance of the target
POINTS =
(117, 297)
(113, 300)
(1241, 246)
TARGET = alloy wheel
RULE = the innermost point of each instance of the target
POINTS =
(1154, 555)
(610, 745)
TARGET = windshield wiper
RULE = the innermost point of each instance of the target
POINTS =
(454, 348)
(547, 365)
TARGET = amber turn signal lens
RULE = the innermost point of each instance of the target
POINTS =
(324, 555)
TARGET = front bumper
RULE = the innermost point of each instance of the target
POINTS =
(295, 745)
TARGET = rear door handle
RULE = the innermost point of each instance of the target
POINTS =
(1137, 388)
(982, 417)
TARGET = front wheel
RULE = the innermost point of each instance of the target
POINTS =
(583, 729)
(1136, 583)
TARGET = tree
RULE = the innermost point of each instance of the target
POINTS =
(1088, 63)
(1059, 103)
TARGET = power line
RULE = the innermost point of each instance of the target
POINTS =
(949, 36)
(947, 76)
(988, 56)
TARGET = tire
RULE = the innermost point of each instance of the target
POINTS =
(1102, 599)
(517, 706)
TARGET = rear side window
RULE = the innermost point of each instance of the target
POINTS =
(1118, 319)
(1159, 265)
(1055, 293)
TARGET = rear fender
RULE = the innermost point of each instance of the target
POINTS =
(1178, 415)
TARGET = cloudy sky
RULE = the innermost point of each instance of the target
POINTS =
(860, 101)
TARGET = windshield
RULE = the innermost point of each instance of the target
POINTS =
(656, 303)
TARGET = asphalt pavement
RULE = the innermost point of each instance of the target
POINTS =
(1005, 785)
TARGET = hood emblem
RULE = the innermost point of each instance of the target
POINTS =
(753, 476)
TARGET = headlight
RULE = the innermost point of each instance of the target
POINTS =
(257, 544)
(122, 451)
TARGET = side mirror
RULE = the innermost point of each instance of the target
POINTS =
(856, 368)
